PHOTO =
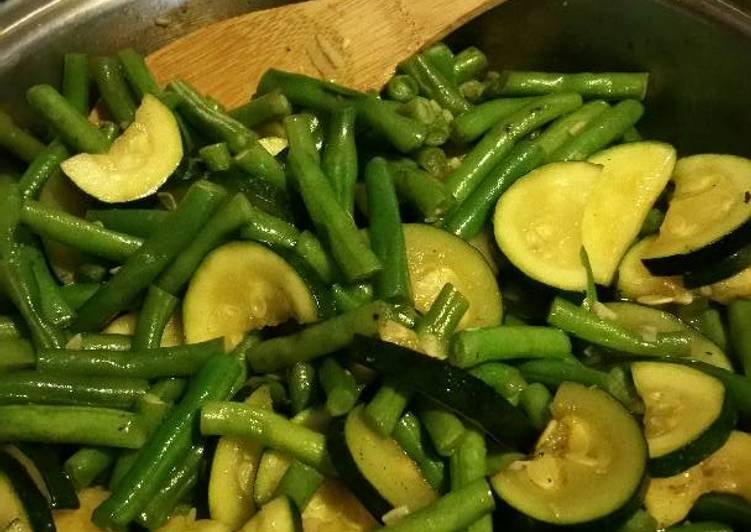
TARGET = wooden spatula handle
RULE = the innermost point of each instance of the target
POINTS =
(354, 42)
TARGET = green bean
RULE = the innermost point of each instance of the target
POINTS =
(217, 125)
(85, 465)
(504, 379)
(404, 133)
(265, 108)
(17, 353)
(268, 229)
(169, 445)
(299, 129)
(10, 217)
(433, 160)
(34, 387)
(83, 425)
(140, 223)
(305, 91)
(91, 272)
(652, 222)
(181, 360)
(89, 237)
(76, 294)
(259, 163)
(386, 235)
(468, 464)
(339, 386)
(589, 327)
(470, 63)
(508, 342)
(339, 156)
(299, 483)
(434, 84)
(153, 407)
(608, 85)
(472, 124)
(17, 141)
(141, 268)
(497, 142)
(602, 131)
(356, 260)
(229, 217)
(138, 74)
(44, 166)
(739, 314)
(469, 218)
(152, 319)
(631, 135)
(445, 429)
(9, 328)
(100, 341)
(442, 319)
(473, 90)
(20, 286)
(429, 195)
(216, 157)
(113, 89)
(182, 478)
(431, 115)
(402, 88)
(53, 307)
(569, 126)
(410, 436)
(535, 400)
(552, 372)
(76, 81)
(454, 511)
(316, 340)
(302, 386)
(385, 409)
(347, 298)
(65, 121)
(270, 429)
(442, 58)
(310, 249)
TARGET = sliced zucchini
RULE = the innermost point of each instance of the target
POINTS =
(240, 287)
(233, 472)
(20, 499)
(538, 222)
(708, 215)
(633, 177)
(279, 515)
(688, 415)
(725, 291)
(436, 257)
(452, 388)
(719, 270)
(637, 283)
(126, 324)
(727, 470)
(334, 507)
(79, 520)
(187, 522)
(44, 468)
(650, 321)
(138, 162)
(376, 468)
(588, 464)
(724, 508)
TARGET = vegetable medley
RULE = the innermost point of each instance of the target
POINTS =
(476, 300)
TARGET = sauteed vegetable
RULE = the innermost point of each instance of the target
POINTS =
(477, 300)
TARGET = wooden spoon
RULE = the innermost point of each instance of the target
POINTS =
(355, 42)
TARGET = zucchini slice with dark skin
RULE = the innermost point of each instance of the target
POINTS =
(724, 507)
(33, 503)
(714, 271)
(375, 468)
(588, 466)
(450, 387)
(689, 415)
(60, 488)
(278, 515)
